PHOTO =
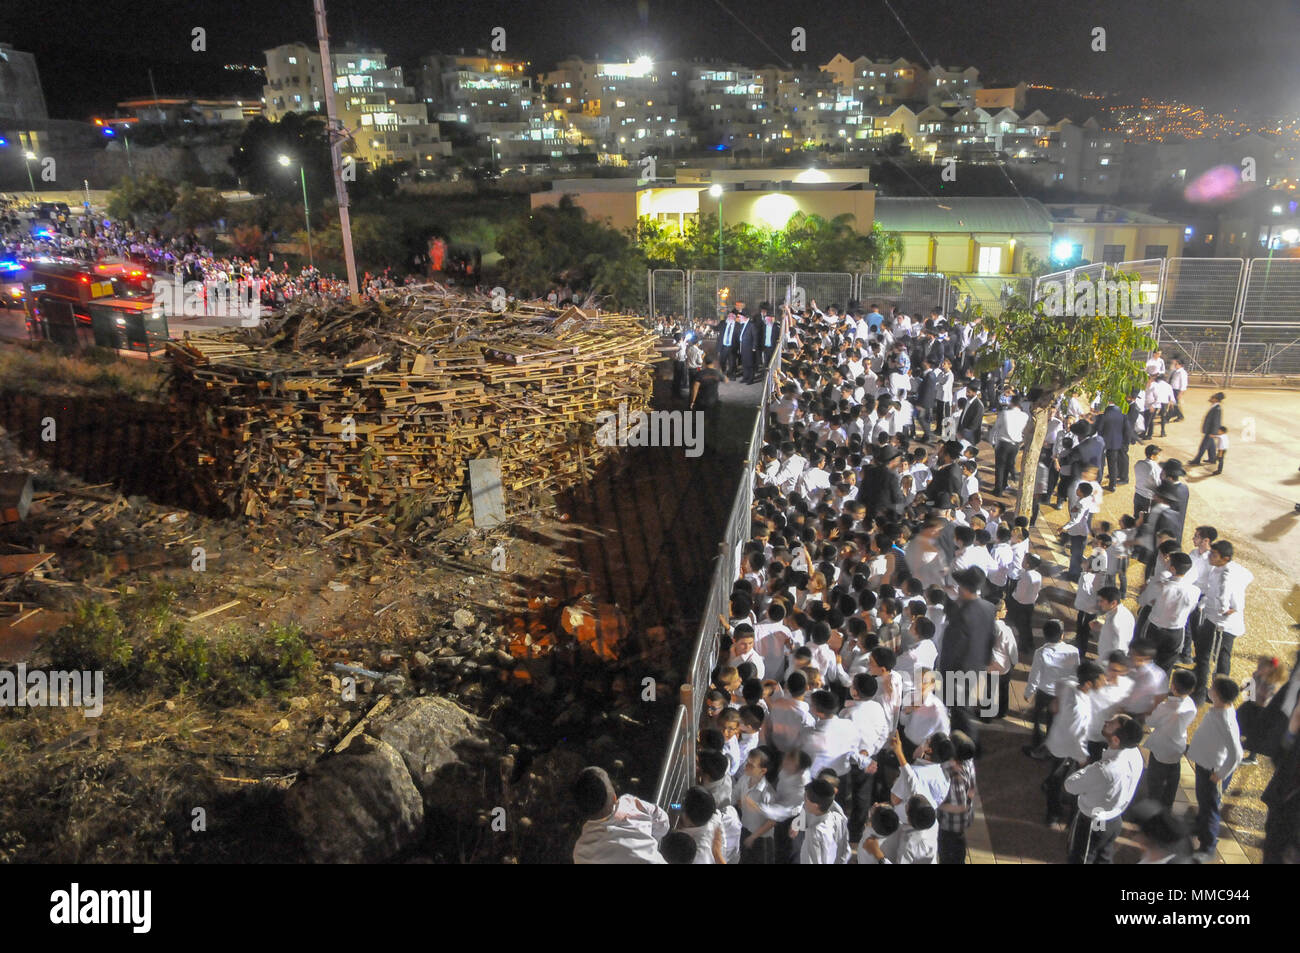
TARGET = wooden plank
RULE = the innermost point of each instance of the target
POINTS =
(486, 492)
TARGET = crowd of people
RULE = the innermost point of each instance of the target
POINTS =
(94, 239)
(888, 593)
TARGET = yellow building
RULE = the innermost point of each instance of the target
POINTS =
(1107, 233)
(986, 236)
(766, 197)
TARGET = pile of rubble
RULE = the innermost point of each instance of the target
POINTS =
(379, 409)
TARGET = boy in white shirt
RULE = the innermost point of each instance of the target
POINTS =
(880, 843)
(1023, 598)
(824, 826)
(1168, 739)
(1216, 752)
(1087, 606)
(754, 793)
(1067, 738)
(618, 830)
(1054, 660)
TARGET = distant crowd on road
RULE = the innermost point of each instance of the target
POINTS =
(94, 239)
(887, 596)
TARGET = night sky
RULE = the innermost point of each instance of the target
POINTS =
(1223, 54)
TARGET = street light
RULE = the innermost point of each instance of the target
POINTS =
(306, 212)
(717, 192)
(28, 156)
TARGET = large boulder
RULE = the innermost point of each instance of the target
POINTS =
(358, 806)
(447, 750)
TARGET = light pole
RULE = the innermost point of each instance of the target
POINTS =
(717, 192)
(28, 156)
(306, 212)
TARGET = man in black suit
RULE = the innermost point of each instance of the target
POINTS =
(769, 337)
(1176, 494)
(967, 648)
(971, 424)
(1210, 429)
(881, 492)
(947, 477)
(1113, 428)
(926, 395)
(748, 346)
(1091, 451)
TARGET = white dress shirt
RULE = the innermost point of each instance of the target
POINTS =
(629, 835)
(831, 743)
(1069, 732)
(1149, 682)
(1105, 788)
(1169, 724)
(1116, 633)
(930, 715)
(1028, 587)
(786, 720)
(1216, 746)
(825, 838)
(1010, 425)
(1052, 662)
(928, 780)
(1225, 598)
(1172, 600)
(872, 723)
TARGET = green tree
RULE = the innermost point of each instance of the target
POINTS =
(558, 244)
(143, 200)
(1056, 354)
(198, 208)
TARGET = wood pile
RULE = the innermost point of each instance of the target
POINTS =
(378, 409)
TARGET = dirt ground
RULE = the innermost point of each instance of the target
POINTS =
(1252, 505)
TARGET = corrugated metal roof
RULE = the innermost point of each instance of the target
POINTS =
(963, 215)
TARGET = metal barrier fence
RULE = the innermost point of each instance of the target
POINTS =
(990, 292)
(913, 293)
(678, 771)
(667, 292)
(1225, 316)
(826, 288)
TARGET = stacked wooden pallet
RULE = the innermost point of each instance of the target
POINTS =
(379, 409)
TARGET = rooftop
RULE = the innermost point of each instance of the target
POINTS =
(1010, 215)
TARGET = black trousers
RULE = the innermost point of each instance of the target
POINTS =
(1021, 619)
(727, 359)
(1207, 446)
(1162, 780)
(1058, 808)
(1117, 466)
(952, 847)
(1042, 716)
(747, 365)
(1208, 639)
(1083, 631)
(1168, 644)
(1088, 846)
(1004, 457)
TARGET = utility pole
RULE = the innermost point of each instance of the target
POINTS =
(336, 147)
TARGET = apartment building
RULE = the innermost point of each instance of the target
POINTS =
(387, 120)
